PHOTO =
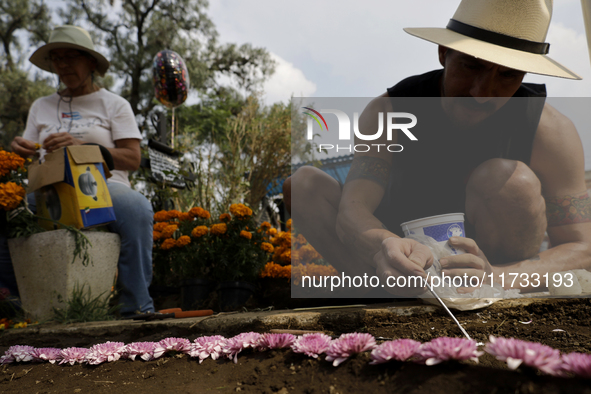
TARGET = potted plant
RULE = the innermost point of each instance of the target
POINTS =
(49, 264)
(241, 250)
(183, 253)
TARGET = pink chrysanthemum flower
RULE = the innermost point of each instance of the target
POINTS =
(145, 350)
(74, 355)
(50, 354)
(17, 353)
(445, 348)
(275, 341)
(348, 344)
(108, 351)
(578, 364)
(232, 347)
(398, 350)
(182, 345)
(515, 352)
(249, 339)
(207, 346)
(236, 344)
(311, 344)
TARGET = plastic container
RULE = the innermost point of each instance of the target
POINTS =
(440, 228)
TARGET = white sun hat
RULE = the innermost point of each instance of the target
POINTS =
(67, 36)
(510, 33)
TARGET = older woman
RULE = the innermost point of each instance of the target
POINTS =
(82, 113)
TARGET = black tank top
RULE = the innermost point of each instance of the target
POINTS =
(429, 176)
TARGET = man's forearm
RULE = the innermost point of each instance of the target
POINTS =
(535, 273)
(359, 228)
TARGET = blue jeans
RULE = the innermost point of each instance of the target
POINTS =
(134, 225)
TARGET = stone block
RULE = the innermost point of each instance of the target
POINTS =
(44, 269)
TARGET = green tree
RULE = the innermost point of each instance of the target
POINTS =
(32, 18)
(17, 15)
(133, 31)
(19, 92)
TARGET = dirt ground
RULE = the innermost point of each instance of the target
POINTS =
(286, 372)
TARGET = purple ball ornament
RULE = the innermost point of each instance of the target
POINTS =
(170, 78)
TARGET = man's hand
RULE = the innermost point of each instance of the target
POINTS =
(59, 140)
(23, 147)
(403, 257)
(472, 263)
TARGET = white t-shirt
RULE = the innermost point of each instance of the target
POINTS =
(101, 117)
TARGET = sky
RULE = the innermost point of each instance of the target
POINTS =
(348, 48)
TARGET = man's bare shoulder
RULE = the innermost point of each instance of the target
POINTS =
(557, 153)
(381, 103)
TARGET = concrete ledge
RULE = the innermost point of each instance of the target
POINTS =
(329, 320)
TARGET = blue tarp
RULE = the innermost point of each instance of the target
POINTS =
(336, 167)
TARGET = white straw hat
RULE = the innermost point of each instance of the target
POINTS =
(506, 32)
(68, 36)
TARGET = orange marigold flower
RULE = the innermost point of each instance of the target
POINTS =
(288, 223)
(246, 234)
(225, 217)
(185, 217)
(169, 230)
(240, 211)
(267, 247)
(168, 244)
(161, 216)
(301, 240)
(198, 212)
(219, 229)
(272, 231)
(156, 235)
(286, 257)
(308, 253)
(10, 161)
(284, 237)
(265, 225)
(11, 195)
(160, 226)
(183, 240)
(173, 213)
(273, 270)
(199, 231)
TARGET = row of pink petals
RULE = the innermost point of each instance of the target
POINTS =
(514, 352)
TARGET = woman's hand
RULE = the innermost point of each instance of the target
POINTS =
(471, 264)
(23, 147)
(59, 140)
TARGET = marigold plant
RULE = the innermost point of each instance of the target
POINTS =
(15, 220)
(177, 252)
(293, 250)
(241, 254)
(192, 245)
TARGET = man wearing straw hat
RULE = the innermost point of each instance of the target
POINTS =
(85, 113)
(525, 175)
